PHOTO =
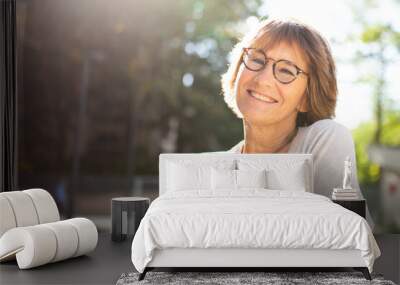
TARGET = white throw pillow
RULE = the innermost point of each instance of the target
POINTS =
(223, 179)
(293, 178)
(251, 178)
(187, 177)
(227, 179)
(281, 174)
(193, 175)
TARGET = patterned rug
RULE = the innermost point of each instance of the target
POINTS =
(273, 278)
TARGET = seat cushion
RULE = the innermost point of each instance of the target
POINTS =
(36, 245)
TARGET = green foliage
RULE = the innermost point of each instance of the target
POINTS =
(184, 37)
(375, 33)
(377, 36)
(369, 172)
(391, 128)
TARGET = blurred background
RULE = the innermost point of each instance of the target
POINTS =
(106, 86)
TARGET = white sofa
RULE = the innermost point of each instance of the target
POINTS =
(31, 231)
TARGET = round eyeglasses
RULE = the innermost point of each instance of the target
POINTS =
(284, 71)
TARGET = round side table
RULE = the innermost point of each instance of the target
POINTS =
(126, 214)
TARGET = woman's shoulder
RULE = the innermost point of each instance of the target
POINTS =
(326, 124)
(327, 132)
(329, 127)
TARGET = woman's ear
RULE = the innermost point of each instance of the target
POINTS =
(303, 105)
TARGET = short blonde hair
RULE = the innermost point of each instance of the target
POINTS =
(321, 91)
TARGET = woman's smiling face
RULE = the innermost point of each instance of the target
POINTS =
(262, 99)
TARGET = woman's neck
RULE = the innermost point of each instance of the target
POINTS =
(274, 138)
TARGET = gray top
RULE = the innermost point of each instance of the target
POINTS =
(330, 143)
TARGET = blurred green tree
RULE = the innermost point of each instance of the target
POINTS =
(378, 44)
(132, 78)
(368, 172)
(174, 71)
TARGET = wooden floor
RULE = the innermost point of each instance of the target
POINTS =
(111, 259)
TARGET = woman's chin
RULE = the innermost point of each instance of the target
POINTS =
(256, 111)
(258, 119)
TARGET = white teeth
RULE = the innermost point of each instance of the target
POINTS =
(262, 97)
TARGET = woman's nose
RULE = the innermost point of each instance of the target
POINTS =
(265, 75)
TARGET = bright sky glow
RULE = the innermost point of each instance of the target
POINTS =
(335, 21)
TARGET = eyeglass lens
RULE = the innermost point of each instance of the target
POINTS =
(256, 60)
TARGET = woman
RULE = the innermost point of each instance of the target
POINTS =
(281, 82)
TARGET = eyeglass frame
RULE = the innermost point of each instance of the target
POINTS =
(298, 69)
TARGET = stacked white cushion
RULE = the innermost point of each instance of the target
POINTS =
(31, 232)
(66, 237)
(41, 244)
(32, 246)
(7, 219)
(45, 205)
(23, 208)
(26, 208)
(87, 234)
